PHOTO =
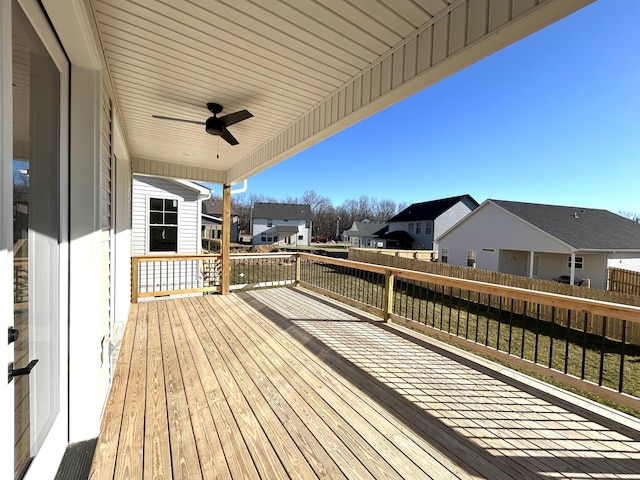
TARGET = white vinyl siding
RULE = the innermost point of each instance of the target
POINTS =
(153, 275)
(145, 188)
(107, 189)
(265, 231)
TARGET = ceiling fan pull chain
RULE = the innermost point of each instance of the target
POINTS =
(218, 150)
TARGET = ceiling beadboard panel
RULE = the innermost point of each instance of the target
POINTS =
(305, 69)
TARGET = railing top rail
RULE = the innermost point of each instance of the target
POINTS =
(596, 307)
(193, 256)
(264, 254)
(171, 257)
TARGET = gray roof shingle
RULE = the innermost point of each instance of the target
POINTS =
(285, 211)
(582, 228)
(364, 229)
(429, 210)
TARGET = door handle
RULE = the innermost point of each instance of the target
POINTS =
(21, 371)
(13, 335)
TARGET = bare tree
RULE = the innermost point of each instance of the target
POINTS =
(327, 219)
(635, 216)
(385, 209)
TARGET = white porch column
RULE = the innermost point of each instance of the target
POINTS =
(572, 274)
(531, 260)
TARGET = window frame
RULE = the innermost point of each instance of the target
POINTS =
(152, 226)
(579, 262)
(471, 258)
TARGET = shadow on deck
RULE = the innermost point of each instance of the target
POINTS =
(281, 383)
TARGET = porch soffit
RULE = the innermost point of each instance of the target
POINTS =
(305, 69)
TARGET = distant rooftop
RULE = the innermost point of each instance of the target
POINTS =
(580, 227)
(429, 210)
(288, 211)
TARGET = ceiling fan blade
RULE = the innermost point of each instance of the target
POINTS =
(226, 135)
(236, 117)
(196, 122)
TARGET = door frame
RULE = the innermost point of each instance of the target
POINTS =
(48, 457)
(6, 233)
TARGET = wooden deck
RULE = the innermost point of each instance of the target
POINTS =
(280, 383)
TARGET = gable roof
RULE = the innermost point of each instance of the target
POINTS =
(285, 211)
(581, 228)
(429, 210)
(364, 229)
(213, 206)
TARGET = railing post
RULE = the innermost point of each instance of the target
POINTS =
(297, 282)
(134, 279)
(225, 248)
(388, 295)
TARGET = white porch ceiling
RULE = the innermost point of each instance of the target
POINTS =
(304, 68)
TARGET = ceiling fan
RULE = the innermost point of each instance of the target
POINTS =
(216, 125)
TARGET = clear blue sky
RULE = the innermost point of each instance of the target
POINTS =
(554, 118)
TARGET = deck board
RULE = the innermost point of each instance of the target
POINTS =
(279, 383)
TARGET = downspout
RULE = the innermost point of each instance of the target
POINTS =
(201, 198)
(531, 262)
(241, 189)
(572, 275)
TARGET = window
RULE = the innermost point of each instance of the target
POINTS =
(270, 223)
(444, 256)
(263, 238)
(163, 225)
(307, 224)
(410, 227)
(578, 262)
(300, 237)
(427, 228)
(471, 258)
(418, 227)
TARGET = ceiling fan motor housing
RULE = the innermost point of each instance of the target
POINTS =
(214, 126)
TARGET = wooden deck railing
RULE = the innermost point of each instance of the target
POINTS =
(588, 344)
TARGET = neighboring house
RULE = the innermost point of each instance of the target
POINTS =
(281, 224)
(212, 220)
(418, 225)
(362, 234)
(543, 241)
(166, 215)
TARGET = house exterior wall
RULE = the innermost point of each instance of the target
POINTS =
(628, 261)
(551, 266)
(122, 234)
(430, 229)
(145, 187)
(260, 226)
(513, 262)
(503, 243)
(361, 242)
(448, 219)
(422, 240)
(491, 228)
